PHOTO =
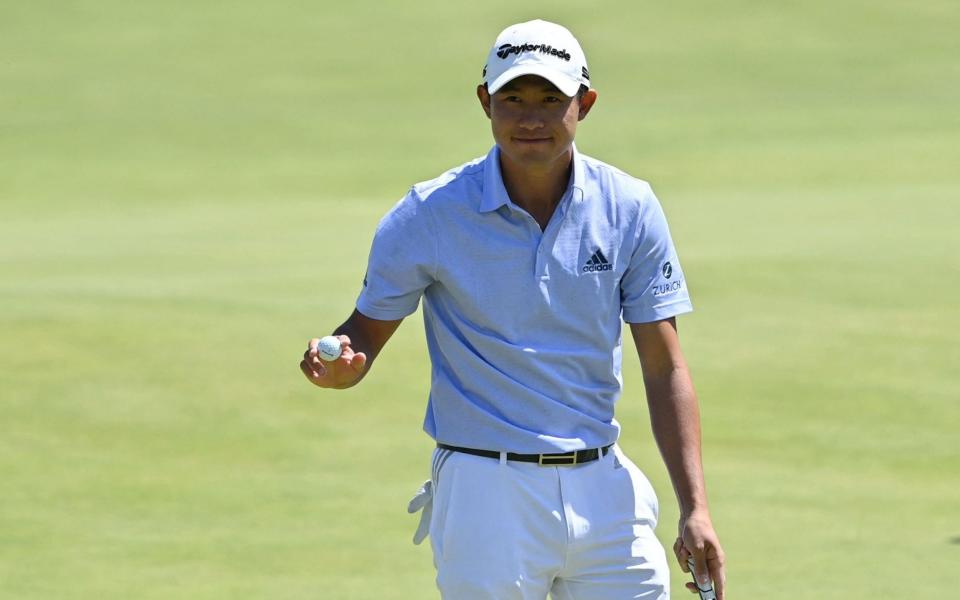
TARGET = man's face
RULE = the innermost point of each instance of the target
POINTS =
(532, 121)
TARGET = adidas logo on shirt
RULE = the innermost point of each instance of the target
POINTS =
(597, 262)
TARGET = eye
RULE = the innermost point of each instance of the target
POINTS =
(552, 99)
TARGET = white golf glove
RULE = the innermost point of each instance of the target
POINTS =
(423, 499)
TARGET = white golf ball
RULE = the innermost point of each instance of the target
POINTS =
(329, 348)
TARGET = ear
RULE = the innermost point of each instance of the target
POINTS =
(484, 96)
(586, 103)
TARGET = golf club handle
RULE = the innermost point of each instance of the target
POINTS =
(706, 593)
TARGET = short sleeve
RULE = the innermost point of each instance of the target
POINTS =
(402, 262)
(653, 287)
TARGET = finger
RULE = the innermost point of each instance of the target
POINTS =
(682, 555)
(358, 362)
(691, 587)
(307, 370)
(310, 355)
(313, 372)
(700, 570)
(344, 340)
(313, 360)
(718, 575)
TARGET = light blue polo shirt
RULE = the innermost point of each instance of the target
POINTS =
(523, 326)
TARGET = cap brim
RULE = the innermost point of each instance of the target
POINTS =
(568, 86)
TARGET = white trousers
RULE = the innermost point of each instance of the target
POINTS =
(504, 530)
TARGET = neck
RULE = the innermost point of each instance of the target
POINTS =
(537, 188)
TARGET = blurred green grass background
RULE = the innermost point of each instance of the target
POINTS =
(188, 192)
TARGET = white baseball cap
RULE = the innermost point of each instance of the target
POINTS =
(537, 48)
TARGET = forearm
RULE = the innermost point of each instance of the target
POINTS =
(675, 419)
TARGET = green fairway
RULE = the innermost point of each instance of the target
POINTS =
(188, 193)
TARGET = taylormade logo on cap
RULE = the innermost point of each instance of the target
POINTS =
(537, 48)
(508, 49)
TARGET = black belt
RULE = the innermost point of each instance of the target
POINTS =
(546, 460)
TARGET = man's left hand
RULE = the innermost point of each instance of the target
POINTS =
(698, 539)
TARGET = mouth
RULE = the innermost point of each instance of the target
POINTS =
(540, 140)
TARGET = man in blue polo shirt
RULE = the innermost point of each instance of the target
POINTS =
(526, 261)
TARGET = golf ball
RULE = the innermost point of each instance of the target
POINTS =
(329, 348)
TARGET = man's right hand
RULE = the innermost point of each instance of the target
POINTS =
(341, 373)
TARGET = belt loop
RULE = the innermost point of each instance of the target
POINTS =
(503, 458)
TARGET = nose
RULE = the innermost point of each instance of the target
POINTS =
(531, 118)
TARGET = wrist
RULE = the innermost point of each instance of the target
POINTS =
(694, 510)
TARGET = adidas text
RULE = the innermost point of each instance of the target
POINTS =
(592, 268)
(597, 262)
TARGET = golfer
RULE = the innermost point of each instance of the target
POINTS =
(528, 261)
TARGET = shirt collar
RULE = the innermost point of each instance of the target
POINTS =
(495, 193)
